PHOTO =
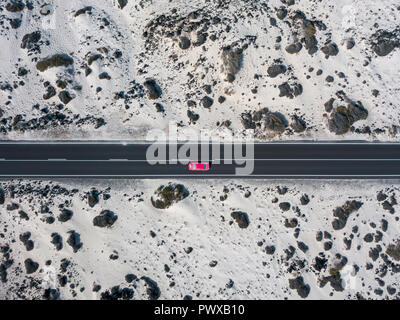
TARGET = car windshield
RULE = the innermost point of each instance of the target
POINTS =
(204, 166)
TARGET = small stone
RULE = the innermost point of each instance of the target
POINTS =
(270, 250)
(207, 102)
(184, 43)
(284, 206)
(213, 263)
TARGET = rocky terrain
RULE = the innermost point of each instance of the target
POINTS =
(290, 69)
(131, 239)
(116, 69)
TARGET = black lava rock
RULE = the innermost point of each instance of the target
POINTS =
(207, 102)
(241, 219)
(31, 266)
(65, 215)
(106, 219)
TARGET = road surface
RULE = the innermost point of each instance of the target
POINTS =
(128, 160)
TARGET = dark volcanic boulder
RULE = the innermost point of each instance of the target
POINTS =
(281, 13)
(184, 43)
(99, 123)
(50, 92)
(30, 39)
(116, 293)
(106, 219)
(56, 239)
(275, 122)
(65, 97)
(22, 72)
(292, 223)
(74, 240)
(384, 47)
(342, 213)
(15, 23)
(302, 246)
(65, 215)
(357, 112)
(83, 11)
(290, 91)
(294, 48)
(304, 200)
(122, 3)
(93, 58)
(275, 70)
(298, 284)
(2, 196)
(25, 239)
(152, 290)
(93, 198)
(384, 41)
(51, 294)
(130, 277)
(270, 249)
(193, 117)
(241, 219)
(298, 125)
(284, 206)
(159, 107)
(339, 122)
(247, 121)
(12, 206)
(350, 43)
(57, 60)
(104, 76)
(31, 266)
(264, 119)
(331, 49)
(29, 245)
(310, 41)
(15, 6)
(166, 196)
(342, 118)
(329, 105)
(153, 90)
(393, 251)
(207, 102)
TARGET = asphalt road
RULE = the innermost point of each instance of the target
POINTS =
(273, 160)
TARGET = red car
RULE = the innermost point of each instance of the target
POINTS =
(204, 166)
